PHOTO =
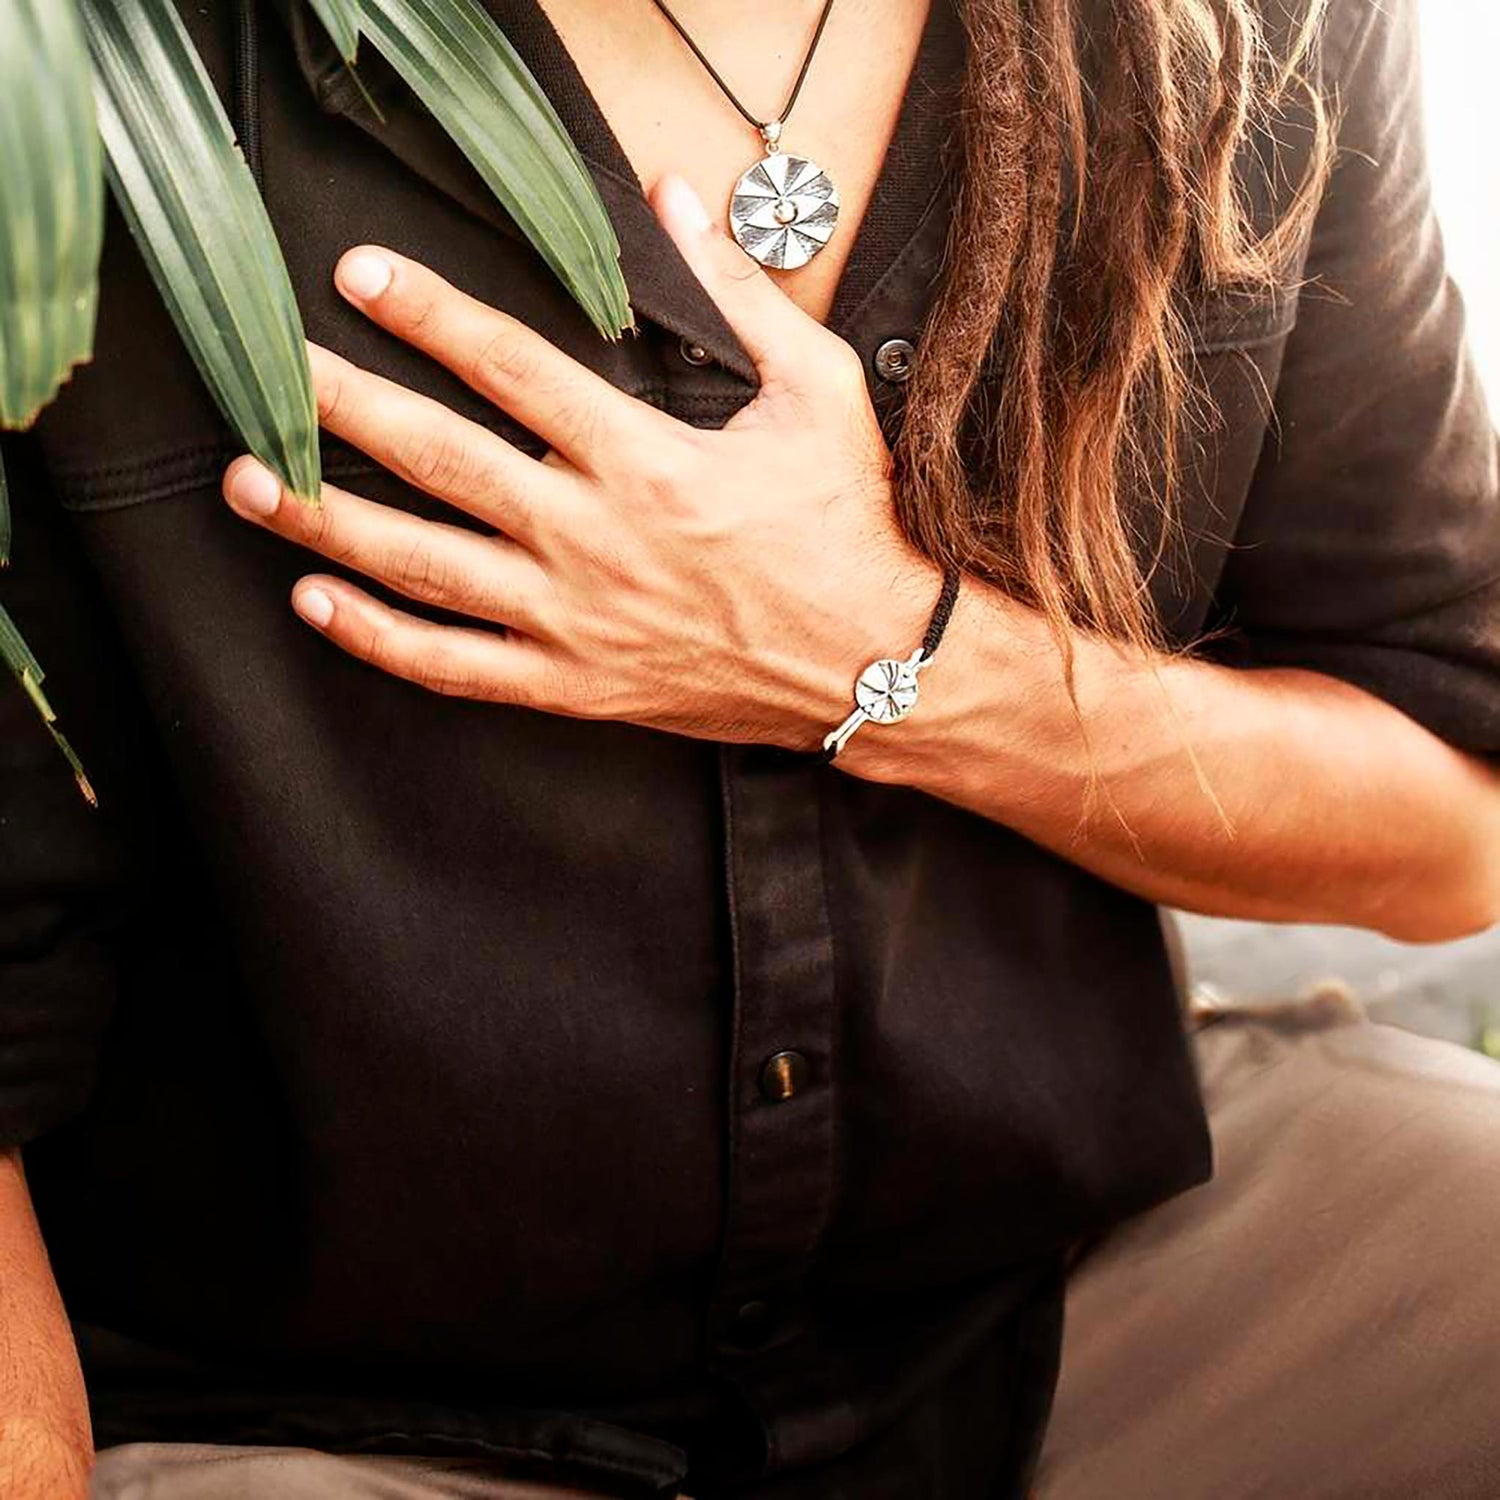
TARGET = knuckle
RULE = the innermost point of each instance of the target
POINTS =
(556, 688)
(332, 395)
(420, 659)
(670, 470)
(321, 529)
(529, 691)
(586, 427)
(846, 370)
(378, 645)
(537, 679)
(603, 555)
(437, 461)
(595, 696)
(416, 570)
(501, 363)
(419, 313)
(445, 678)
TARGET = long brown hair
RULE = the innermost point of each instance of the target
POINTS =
(1055, 367)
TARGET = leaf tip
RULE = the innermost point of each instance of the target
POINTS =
(614, 326)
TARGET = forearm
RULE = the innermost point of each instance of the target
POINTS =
(1279, 795)
(46, 1444)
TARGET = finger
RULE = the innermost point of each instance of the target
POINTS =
(785, 343)
(421, 441)
(450, 659)
(566, 404)
(489, 577)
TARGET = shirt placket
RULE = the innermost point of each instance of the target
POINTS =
(763, 1327)
(783, 1062)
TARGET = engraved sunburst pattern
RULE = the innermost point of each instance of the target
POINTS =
(783, 211)
(886, 690)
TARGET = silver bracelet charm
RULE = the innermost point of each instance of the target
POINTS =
(885, 692)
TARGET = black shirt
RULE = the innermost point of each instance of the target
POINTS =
(407, 1072)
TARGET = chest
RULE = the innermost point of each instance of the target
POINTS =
(669, 115)
(330, 183)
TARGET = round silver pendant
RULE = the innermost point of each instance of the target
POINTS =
(886, 690)
(783, 210)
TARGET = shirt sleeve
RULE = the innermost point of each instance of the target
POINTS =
(64, 867)
(1369, 548)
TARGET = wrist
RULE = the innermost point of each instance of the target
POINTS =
(899, 603)
(996, 728)
(968, 688)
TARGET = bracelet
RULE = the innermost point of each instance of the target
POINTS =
(886, 691)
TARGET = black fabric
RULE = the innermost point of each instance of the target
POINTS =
(389, 1062)
(1369, 546)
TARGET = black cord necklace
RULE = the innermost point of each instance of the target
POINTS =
(784, 209)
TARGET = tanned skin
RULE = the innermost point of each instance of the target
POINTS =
(46, 1444)
(653, 573)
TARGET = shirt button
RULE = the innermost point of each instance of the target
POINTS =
(694, 354)
(893, 360)
(782, 1074)
(751, 1325)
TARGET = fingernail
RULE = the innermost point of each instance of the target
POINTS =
(314, 606)
(363, 275)
(685, 204)
(253, 490)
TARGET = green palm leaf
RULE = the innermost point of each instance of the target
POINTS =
(459, 64)
(340, 20)
(197, 218)
(51, 205)
(51, 228)
(199, 222)
(16, 654)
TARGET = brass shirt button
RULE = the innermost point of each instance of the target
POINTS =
(893, 360)
(782, 1074)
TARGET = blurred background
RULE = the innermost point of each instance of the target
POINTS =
(1450, 990)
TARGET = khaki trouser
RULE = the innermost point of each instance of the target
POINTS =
(1321, 1321)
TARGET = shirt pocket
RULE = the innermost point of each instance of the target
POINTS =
(1236, 343)
(136, 423)
(110, 444)
(1223, 321)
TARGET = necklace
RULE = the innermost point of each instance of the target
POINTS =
(783, 209)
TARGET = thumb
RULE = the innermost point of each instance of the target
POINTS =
(776, 333)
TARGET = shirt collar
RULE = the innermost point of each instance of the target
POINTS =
(662, 288)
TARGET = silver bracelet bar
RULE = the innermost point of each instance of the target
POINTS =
(884, 693)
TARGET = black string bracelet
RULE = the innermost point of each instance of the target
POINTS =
(940, 615)
(886, 691)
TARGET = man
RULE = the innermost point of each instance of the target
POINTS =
(570, 1070)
